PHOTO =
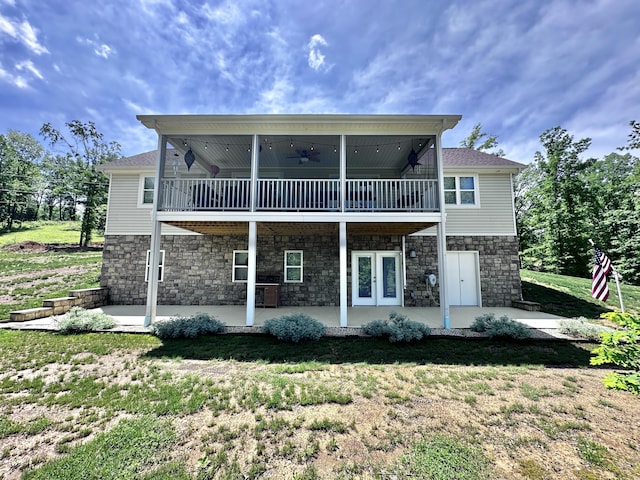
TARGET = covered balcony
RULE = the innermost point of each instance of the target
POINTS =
(301, 173)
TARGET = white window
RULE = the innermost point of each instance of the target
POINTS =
(160, 266)
(293, 266)
(461, 190)
(240, 266)
(146, 191)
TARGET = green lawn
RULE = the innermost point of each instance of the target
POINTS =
(571, 296)
(47, 232)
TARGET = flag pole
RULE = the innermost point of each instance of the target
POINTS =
(617, 278)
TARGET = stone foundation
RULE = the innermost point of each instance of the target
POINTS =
(198, 268)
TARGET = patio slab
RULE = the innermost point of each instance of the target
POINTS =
(130, 318)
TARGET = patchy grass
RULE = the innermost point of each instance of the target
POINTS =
(130, 406)
(41, 260)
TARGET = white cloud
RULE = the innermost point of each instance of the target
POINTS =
(16, 80)
(23, 32)
(316, 58)
(30, 67)
(100, 49)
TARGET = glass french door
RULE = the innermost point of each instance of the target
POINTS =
(376, 278)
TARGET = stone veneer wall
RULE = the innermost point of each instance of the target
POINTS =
(499, 269)
(198, 268)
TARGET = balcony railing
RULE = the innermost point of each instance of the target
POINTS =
(227, 194)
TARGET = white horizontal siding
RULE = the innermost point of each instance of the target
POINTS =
(495, 215)
(124, 216)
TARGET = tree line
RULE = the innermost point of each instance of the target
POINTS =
(564, 198)
(58, 184)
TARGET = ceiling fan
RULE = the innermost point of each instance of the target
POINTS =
(305, 156)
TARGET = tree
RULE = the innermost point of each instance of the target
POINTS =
(85, 149)
(554, 201)
(476, 136)
(634, 136)
(614, 189)
(20, 156)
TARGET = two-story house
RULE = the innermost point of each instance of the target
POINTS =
(310, 210)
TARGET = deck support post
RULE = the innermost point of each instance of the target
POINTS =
(442, 240)
(251, 276)
(343, 274)
(156, 236)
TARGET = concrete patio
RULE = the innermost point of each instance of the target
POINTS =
(130, 318)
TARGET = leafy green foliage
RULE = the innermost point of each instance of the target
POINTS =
(581, 328)
(621, 348)
(397, 328)
(551, 206)
(503, 327)
(488, 141)
(445, 458)
(79, 320)
(187, 327)
(20, 158)
(74, 174)
(294, 328)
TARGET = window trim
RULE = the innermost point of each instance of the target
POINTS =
(142, 190)
(160, 266)
(288, 267)
(234, 267)
(458, 191)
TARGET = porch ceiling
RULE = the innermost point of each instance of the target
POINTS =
(301, 229)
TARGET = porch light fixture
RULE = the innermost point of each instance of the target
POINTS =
(189, 158)
(412, 253)
(215, 170)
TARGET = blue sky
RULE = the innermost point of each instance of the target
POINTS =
(516, 67)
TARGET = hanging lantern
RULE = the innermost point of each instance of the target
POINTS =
(215, 170)
(189, 158)
(413, 159)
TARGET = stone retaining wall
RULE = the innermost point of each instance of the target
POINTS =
(198, 268)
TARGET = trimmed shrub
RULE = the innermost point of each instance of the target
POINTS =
(581, 328)
(503, 327)
(294, 328)
(187, 327)
(79, 320)
(398, 328)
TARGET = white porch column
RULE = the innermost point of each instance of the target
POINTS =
(156, 235)
(343, 274)
(442, 240)
(251, 277)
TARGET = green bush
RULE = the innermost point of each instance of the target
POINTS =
(581, 328)
(398, 328)
(187, 327)
(294, 328)
(503, 327)
(621, 348)
(79, 320)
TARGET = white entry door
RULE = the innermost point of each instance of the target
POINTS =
(462, 278)
(376, 278)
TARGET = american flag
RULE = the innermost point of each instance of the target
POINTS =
(601, 268)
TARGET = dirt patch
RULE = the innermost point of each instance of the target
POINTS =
(35, 247)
